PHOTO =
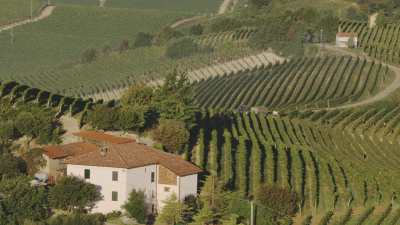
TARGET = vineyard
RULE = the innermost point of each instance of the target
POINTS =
(313, 83)
(381, 42)
(329, 169)
(17, 10)
(204, 6)
(58, 41)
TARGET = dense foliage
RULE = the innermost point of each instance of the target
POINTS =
(135, 206)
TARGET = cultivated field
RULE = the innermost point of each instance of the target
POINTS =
(203, 6)
(301, 83)
(381, 42)
(331, 168)
(17, 10)
(58, 41)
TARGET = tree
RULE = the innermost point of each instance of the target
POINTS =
(171, 213)
(174, 99)
(242, 165)
(89, 55)
(131, 118)
(213, 154)
(143, 40)
(167, 34)
(197, 29)
(191, 208)
(20, 201)
(227, 154)
(103, 117)
(181, 48)
(135, 206)
(204, 217)
(74, 194)
(281, 202)
(7, 131)
(172, 134)
(138, 95)
(34, 160)
(11, 166)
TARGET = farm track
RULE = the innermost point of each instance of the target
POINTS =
(224, 7)
(390, 89)
(46, 12)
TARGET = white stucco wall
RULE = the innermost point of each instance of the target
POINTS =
(102, 176)
(188, 186)
(138, 179)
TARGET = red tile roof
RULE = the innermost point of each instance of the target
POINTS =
(98, 136)
(68, 150)
(133, 155)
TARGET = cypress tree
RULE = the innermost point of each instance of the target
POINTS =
(200, 150)
(227, 154)
(213, 162)
(241, 164)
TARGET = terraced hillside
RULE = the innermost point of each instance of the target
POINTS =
(381, 42)
(59, 41)
(330, 169)
(301, 83)
(204, 6)
(17, 10)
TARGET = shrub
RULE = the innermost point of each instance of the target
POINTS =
(167, 34)
(135, 206)
(181, 48)
(103, 118)
(11, 166)
(172, 134)
(196, 29)
(143, 40)
(89, 55)
(74, 194)
(225, 24)
(78, 219)
(124, 46)
(281, 201)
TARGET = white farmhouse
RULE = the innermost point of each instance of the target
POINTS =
(120, 165)
(343, 39)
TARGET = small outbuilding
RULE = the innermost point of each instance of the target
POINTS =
(346, 40)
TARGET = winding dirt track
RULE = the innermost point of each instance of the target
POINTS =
(395, 85)
(46, 12)
(225, 6)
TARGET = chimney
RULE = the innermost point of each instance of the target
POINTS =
(103, 150)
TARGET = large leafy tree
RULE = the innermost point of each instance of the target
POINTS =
(172, 134)
(172, 213)
(20, 201)
(74, 194)
(135, 206)
(11, 166)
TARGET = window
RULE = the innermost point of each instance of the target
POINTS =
(87, 174)
(152, 208)
(115, 176)
(114, 196)
(166, 189)
(153, 176)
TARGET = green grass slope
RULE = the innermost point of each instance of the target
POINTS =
(16, 10)
(203, 6)
(60, 39)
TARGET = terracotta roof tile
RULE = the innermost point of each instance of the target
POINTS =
(133, 155)
(346, 34)
(99, 136)
(69, 150)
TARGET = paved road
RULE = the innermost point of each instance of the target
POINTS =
(390, 89)
(46, 12)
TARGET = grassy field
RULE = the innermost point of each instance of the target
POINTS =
(203, 6)
(60, 40)
(16, 10)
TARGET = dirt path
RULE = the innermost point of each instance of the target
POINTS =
(225, 6)
(372, 20)
(395, 84)
(46, 12)
(186, 21)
